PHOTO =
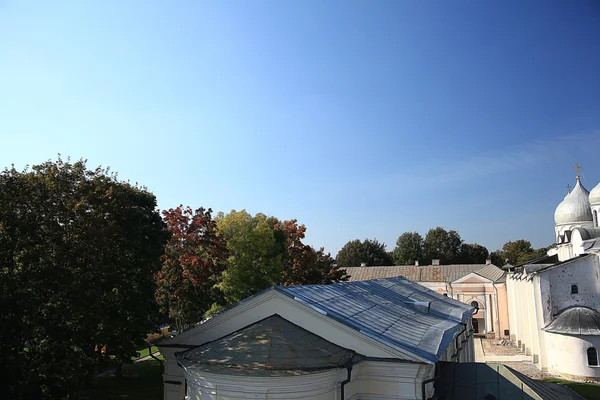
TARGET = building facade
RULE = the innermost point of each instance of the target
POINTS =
(554, 301)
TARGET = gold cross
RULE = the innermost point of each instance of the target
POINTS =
(577, 168)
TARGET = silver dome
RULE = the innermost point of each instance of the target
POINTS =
(595, 195)
(575, 207)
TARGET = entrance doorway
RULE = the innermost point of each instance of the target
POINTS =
(475, 325)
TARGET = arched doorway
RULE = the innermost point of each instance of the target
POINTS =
(475, 325)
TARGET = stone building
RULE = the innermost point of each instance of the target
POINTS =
(553, 301)
(378, 339)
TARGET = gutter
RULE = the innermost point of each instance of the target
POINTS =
(458, 348)
(426, 381)
(344, 382)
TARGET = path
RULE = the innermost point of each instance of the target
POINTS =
(481, 356)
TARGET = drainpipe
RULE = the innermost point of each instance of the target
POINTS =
(426, 381)
(458, 349)
(344, 382)
(497, 310)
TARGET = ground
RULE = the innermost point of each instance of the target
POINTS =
(488, 350)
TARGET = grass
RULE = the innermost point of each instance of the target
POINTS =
(144, 352)
(141, 381)
(590, 391)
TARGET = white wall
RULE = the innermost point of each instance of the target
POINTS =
(585, 273)
(567, 355)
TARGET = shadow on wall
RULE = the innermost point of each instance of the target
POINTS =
(477, 381)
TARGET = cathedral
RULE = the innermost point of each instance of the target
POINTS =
(554, 301)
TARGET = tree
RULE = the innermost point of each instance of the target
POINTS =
(472, 253)
(370, 252)
(78, 250)
(443, 245)
(518, 252)
(255, 257)
(192, 264)
(409, 248)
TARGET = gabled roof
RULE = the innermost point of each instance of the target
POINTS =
(397, 312)
(426, 273)
(270, 347)
(492, 273)
(576, 321)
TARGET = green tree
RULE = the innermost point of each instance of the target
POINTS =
(78, 250)
(256, 258)
(409, 248)
(443, 245)
(472, 253)
(192, 265)
(518, 252)
(370, 252)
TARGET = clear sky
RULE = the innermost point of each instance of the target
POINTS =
(362, 119)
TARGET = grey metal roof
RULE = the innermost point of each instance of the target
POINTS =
(492, 273)
(576, 321)
(426, 273)
(271, 347)
(390, 311)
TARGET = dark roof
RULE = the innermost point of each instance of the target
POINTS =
(271, 347)
(402, 314)
(576, 321)
(544, 267)
(541, 260)
(427, 273)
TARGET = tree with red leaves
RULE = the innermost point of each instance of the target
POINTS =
(192, 264)
(304, 265)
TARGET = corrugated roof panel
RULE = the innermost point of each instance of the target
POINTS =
(384, 309)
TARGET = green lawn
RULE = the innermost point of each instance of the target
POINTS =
(144, 352)
(590, 391)
(141, 381)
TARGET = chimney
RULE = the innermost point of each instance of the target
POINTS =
(435, 262)
(488, 261)
(417, 263)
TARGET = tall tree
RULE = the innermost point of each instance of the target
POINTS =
(518, 252)
(192, 265)
(78, 250)
(443, 245)
(472, 253)
(255, 258)
(370, 252)
(409, 248)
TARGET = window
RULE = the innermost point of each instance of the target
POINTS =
(446, 294)
(592, 355)
(595, 218)
(475, 304)
(574, 289)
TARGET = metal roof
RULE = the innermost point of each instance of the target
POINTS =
(404, 315)
(270, 347)
(492, 273)
(576, 321)
(426, 273)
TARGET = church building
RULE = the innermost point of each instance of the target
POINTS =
(554, 301)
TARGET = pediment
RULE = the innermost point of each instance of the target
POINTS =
(473, 278)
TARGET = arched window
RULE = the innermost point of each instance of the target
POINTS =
(475, 304)
(592, 355)
(574, 289)
(595, 218)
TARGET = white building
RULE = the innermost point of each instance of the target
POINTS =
(378, 339)
(553, 302)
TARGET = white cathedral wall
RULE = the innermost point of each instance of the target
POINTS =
(567, 355)
(585, 273)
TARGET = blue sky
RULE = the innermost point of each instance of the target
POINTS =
(360, 119)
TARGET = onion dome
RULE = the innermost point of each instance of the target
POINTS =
(575, 207)
(595, 196)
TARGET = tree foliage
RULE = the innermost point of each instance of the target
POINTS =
(443, 245)
(78, 250)
(192, 264)
(369, 252)
(472, 253)
(518, 252)
(409, 248)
